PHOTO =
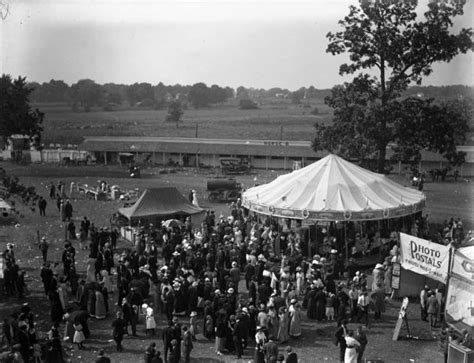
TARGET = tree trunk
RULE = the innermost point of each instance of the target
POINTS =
(381, 159)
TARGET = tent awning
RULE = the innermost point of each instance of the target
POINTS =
(160, 202)
(4, 205)
(333, 189)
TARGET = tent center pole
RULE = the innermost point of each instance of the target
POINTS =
(345, 242)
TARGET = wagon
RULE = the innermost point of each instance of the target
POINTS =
(234, 166)
(223, 190)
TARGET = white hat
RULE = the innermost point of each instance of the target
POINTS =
(230, 291)
(193, 313)
(234, 264)
(378, 266)
(333, 251)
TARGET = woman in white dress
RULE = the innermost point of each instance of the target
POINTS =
(283, 322)
(100, 311)
(350, 355)
(106, 281)
(195, 199)
(90, 270)
(295, 319)
(150, 319)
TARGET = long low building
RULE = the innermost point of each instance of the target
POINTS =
(262, 154)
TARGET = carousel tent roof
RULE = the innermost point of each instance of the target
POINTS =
(160, 202)
(333, 189)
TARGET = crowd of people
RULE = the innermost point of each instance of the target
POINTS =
(237, 281)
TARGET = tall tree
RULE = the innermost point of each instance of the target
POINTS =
(16, 115)
(199, 95)
(389, 48)
(86, 93)
(175, 111)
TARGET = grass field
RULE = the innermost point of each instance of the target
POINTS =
(443, 201)
(63, 126)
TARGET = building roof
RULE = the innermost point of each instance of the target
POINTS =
(181, 145)
(277, 148)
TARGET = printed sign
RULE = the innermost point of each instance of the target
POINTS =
(396, 269)
(460, 303)
(396, 282)
(424, 257)
(460, 297)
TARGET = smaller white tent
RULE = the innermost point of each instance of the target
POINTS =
(333, 189)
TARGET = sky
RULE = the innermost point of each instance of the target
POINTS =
(260, 44)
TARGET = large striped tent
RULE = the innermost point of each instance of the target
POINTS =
(333, 189)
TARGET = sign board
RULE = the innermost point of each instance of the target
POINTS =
(460, 295)
(424, 257)
(396, 269)
(395, 282)
(401, 317)
(396, 276)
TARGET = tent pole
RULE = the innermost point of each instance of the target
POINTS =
(380, 239)
(347, 247)
(309, 242)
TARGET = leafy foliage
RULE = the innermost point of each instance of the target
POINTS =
(202, 96)
(175, 111)
(16, 115)
(86, 93)
(248, 104)
(385, 38)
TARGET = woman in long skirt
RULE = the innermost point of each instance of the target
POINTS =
(273, 322)
(100, 311)
(79, 336)
(193, 325)
(221, 331)
(150, 320)
(295, 319)
(260, 340)
(91, 301)
(350, 355)
(283, 323)
(106, 281)
(90, 277)
(68, 329)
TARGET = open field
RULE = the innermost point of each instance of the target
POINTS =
(443, 201)
(63, 126)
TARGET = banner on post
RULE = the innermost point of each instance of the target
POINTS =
(424, 257)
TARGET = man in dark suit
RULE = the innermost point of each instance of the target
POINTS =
(167, 336)
(177, 336)
(291, 357)
(270, 349)
(101, 358)
(238, 335)
(120, 327)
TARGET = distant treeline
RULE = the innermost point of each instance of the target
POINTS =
(86, 93)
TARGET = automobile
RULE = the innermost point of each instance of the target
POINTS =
(234, 165)
(223, 190)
